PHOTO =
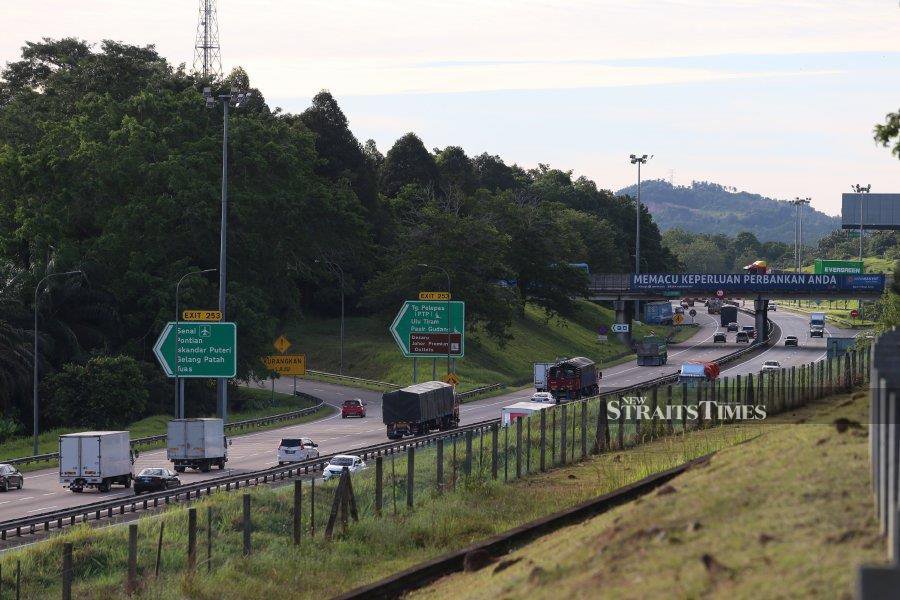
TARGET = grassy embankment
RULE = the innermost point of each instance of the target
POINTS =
(786, 515)
(370, 352)
(261, 399)
(836, 311)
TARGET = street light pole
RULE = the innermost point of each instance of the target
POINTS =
(798, 230)
(35, 405)
(638, 160)
(179, 396)
(449, 313)
(237, 99)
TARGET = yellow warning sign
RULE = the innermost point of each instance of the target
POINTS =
(678, 318)
(281, 344)
(286, 364)
(451, 378)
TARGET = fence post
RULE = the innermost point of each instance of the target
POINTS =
(467, 465)
(620, 427)
(67, 571)
(506, 454)
(312, 507)
(209, 528)
(162, 527)
(553, 436)
(379, 489)
(192, 538)
(563, 434)
(494, 451)
(439, 464)
(668, 409)
(410, 475)
(131, 586)
(543, 441)
(298, 503)
(583, 429)
(519, 448)
(247, 548)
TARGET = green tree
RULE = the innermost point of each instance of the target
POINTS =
(408, 162)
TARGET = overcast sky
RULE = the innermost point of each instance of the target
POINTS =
(777, 97)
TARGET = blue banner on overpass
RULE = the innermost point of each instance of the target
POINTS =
(750, 282)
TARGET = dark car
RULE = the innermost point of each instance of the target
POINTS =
(732, 326)
(750, 330)
(742, 337)
(791, 340)
(353, 408)
(155, 479)
(10, 477)
(719, 338)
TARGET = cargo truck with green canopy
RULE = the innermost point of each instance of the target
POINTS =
(419, 408)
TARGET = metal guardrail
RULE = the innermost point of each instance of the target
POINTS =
(479, 390)
(121, 505)
(375, 382)
(152, 439)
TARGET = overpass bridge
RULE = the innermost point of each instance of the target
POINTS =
(622, 287)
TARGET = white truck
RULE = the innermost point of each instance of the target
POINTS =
(540, 376)
(95, 459)
(197, 443)
(519, 410)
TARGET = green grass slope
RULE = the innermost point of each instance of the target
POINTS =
(370, 352)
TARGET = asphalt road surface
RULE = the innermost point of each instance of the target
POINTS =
(43, 492)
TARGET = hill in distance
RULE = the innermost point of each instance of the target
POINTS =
(705, 207)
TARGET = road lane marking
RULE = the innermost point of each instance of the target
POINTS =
(28, 512)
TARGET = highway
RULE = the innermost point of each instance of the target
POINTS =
(42, 491)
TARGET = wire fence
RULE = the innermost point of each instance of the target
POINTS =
(202, 538)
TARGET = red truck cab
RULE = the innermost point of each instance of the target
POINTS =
(353, 408)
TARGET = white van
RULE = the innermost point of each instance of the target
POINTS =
(296, 450)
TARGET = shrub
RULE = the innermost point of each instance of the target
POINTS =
(104, 392)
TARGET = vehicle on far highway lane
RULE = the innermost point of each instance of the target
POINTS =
(10, 477)
(719, 338)
(353, 408)
(296, 450)
(155, 479)
(742, 337)
(791, 340)
(771, 365)
(545, 397)
(337, 463)
(773, 306)
(750, 330)
(732, 326)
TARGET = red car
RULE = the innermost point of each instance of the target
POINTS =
(353, 408)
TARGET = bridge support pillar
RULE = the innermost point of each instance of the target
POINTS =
(761, 309)
(624, 314)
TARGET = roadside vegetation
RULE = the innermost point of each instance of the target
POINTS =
(788, 514)
(256, 403)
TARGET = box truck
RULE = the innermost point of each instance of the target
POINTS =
(573, 378)
(728, 314)
(519, 410)
(540, 376)
(817, 324)
(419, 408)
(651, 351)
(658, 313)
(95, 459)
(197, 443)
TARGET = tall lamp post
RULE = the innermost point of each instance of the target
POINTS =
(335, 267)
(179, 393)
(638, 160)
(34, 398)
(798, 231)
(449, 313)
(861, 189)
(237, 99)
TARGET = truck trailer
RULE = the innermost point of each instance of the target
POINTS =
(651, 351)
(197, 443)
(693, 373)
(573, 378)
(658, 313)
(95, 459)
(714, 306)
(728, 314)
(519, 410)
(419, 408)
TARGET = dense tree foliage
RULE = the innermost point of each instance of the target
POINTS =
(702, 253)
(110, 163)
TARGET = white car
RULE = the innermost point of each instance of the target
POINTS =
(296, 449)
(336, 465)
(771, 365)
(773, 306)
(545, 397)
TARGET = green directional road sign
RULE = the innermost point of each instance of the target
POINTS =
(420, 328)
(198, 349)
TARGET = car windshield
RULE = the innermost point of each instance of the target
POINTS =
(351, 402)
(747, 328)
(152, 473)
(5, 469)
(792, 337)
(773, 363)
(291, 443)
(342, 461)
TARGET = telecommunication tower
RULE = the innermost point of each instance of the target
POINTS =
(207, 53)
